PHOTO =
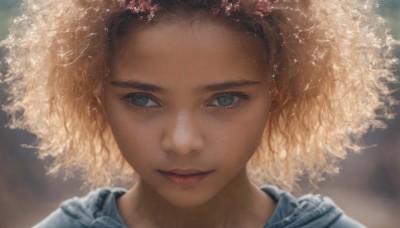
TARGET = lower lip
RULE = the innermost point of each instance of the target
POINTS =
(185, 179)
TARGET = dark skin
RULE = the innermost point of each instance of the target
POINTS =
(202, 114)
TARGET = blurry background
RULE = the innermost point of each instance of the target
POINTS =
(368, 187)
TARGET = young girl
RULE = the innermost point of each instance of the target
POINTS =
(195, 104)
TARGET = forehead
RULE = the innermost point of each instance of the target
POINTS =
(200, 23)
(189, 49)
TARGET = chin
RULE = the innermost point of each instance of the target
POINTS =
(189, 199)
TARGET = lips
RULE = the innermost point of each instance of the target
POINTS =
(185, 176)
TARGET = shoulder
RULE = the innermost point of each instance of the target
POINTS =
(306, 212)
(97, 209)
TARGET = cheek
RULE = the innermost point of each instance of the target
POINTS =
(135, 138)
(246, 126)
(240, 136)
(138, 145)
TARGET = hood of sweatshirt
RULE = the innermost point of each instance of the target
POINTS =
(306, 212)
(99, 210)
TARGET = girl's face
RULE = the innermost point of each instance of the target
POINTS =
(188, 104)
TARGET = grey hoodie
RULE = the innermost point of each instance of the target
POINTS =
(99, 210)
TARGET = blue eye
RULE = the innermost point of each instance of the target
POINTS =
(224, 100)
(140, 100)
(228, 99)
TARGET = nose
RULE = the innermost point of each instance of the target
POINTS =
(182, 136)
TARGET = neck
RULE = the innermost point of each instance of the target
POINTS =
(238, 204)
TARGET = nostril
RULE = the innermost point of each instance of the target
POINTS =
(182, 136)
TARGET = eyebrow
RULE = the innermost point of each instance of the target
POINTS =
(138, 85)
(230, 85)
(209, 88)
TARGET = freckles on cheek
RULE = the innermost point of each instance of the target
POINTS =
(242, 136)
(237, 139)
(132, 134)
(137, 142)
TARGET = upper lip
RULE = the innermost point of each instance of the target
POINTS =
(185, 171)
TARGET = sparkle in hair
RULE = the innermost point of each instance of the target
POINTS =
(332, 81)
(226, 7)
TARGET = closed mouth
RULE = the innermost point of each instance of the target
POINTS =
(185, 176)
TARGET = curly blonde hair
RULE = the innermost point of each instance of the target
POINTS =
(332, 67)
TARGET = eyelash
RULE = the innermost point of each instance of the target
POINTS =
(238, 96)
(130, 96)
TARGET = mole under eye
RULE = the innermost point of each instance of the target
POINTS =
(140, 100)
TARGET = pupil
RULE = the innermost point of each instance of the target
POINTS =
(139, 100)
(225, 100)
